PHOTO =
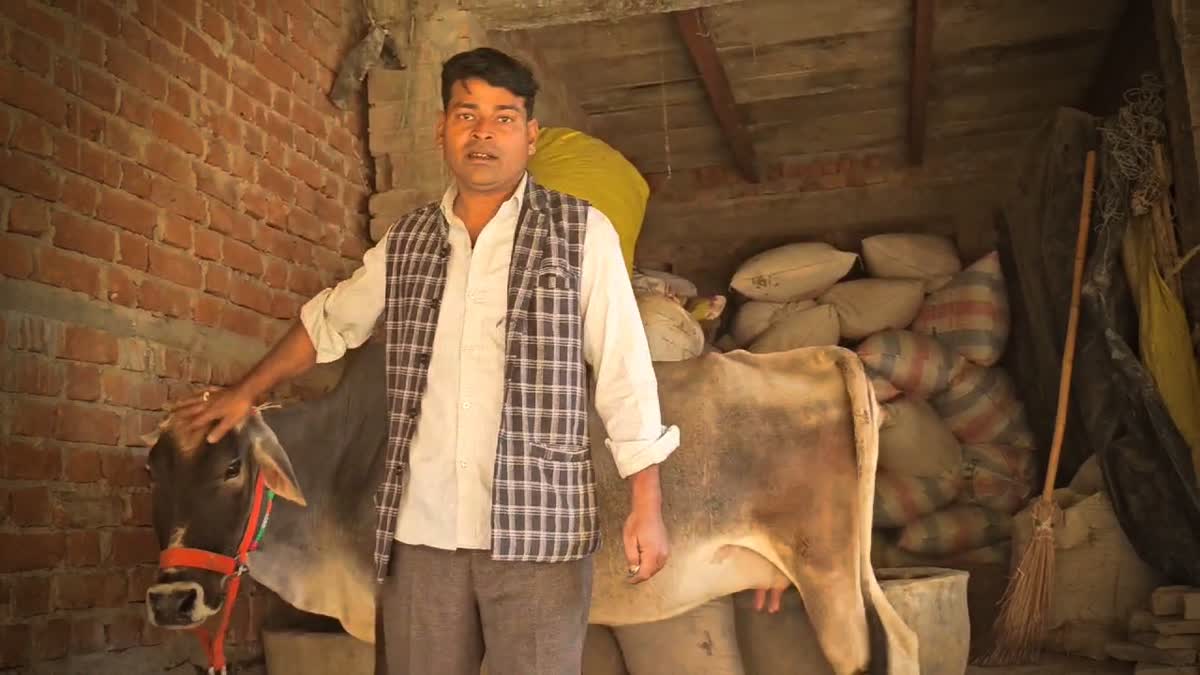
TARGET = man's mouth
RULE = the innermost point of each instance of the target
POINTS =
(480, 156)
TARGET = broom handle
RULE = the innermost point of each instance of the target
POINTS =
(1068, 360)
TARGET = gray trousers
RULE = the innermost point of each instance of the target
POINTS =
(442, 612)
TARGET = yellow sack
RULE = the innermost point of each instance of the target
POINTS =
(1163, 334)
(584, 166)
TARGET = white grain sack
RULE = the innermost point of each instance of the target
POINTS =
(813, 327)
(754, 317)
(665, 283)
(914, 441)
(869, 306)
(790, 272)
(929, 257)
(673, 333)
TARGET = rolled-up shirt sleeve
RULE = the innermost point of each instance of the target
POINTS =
(615, 346)
(344, 316)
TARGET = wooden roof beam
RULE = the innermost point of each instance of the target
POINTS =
(704, 55)
(526, 14)
(921, 65)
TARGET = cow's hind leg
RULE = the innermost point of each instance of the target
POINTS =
(834, 603)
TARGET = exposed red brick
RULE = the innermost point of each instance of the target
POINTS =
(15, 645)
(83, 549)
(68, 271)
(208, 311)
(135, 251)
(83, 381)
(16, 256)
(30, 506)
(31, 596)
(242, 321)
(140, 509)
(208, 245)
(199, 49)
(33, 136)
(39, 21)
(281, 128)
(134, 391)
(272, 68)
(180, 98)
(177, 231)
(281, 103)
(284, 305)
(87, 507)
(30, 52)
(159, 296)
(82, 464)
(178, 131)
(138, 424)
(22, 460)
(33, 94)
(99, 165)
(51, 639)
(125, 211)
(304, 281)
(132, 547)
(256, 200)
(304, 224)
(87, 424)
(26, 174)
(251, 294)
(28, 373)
(241, 257)
(217, 184)
(217, 280)
(126, 468)
(87, 635)
(275, 273)
(136, 108)
(174, 266)
(168, 161)
(81, 343)
(246, 78)
(102, 16)
(135, 69)
(28, 215)
(141, 578)
(84, 235)
(95, 589)
(122, 287)
(80, 194)
(136, 180)
(24, 551)
(178, 199)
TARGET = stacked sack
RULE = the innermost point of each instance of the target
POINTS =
(956, 453)
(947, 360)
(673, 314)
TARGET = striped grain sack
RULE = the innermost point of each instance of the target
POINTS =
(917, 365)
(914, 441)
(955, 529)
(999, 477)
(902, 499)
(970, 314)
(884, 391)
(981, 406)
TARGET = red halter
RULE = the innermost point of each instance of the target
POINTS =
(233, 569)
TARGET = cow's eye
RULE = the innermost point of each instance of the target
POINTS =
(234, 468)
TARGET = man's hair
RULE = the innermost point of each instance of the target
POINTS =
(494, 67)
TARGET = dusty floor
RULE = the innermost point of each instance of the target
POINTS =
(1059, 665)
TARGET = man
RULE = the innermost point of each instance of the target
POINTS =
(495, 303)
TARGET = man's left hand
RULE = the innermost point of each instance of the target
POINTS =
(646, 546)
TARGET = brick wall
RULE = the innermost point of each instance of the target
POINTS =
(174, 185)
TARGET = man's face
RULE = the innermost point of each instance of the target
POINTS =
(486, 136)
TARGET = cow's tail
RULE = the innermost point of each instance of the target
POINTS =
(893, 644)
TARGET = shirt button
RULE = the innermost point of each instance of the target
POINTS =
(462, 464)
(466, 405)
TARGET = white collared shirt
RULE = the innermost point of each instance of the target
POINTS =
(447, 498)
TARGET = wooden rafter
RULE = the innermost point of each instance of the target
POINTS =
(921, 64)
(704, 55)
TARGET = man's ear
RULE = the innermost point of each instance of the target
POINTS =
(272, 461)
(440, 129)
(534, 129)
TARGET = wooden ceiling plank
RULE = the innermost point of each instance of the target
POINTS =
(922, 63)
(703, 51)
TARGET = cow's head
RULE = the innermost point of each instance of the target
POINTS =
(201, 499)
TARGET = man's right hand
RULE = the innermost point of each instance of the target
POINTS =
(227, 407)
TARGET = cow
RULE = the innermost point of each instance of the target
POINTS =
(772, 487)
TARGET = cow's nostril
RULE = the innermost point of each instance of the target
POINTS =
(187, 603)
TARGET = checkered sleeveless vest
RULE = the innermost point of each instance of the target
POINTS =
(543, 495)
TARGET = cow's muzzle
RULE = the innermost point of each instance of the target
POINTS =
(177, 604)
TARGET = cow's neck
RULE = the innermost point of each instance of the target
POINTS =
(318, 558)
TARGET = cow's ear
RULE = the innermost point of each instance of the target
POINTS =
(272, 461)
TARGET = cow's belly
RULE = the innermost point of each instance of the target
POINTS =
(693, 576)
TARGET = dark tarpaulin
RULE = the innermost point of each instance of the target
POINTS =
(1115, 410)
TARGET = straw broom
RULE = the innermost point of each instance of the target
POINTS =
(1020, 626)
